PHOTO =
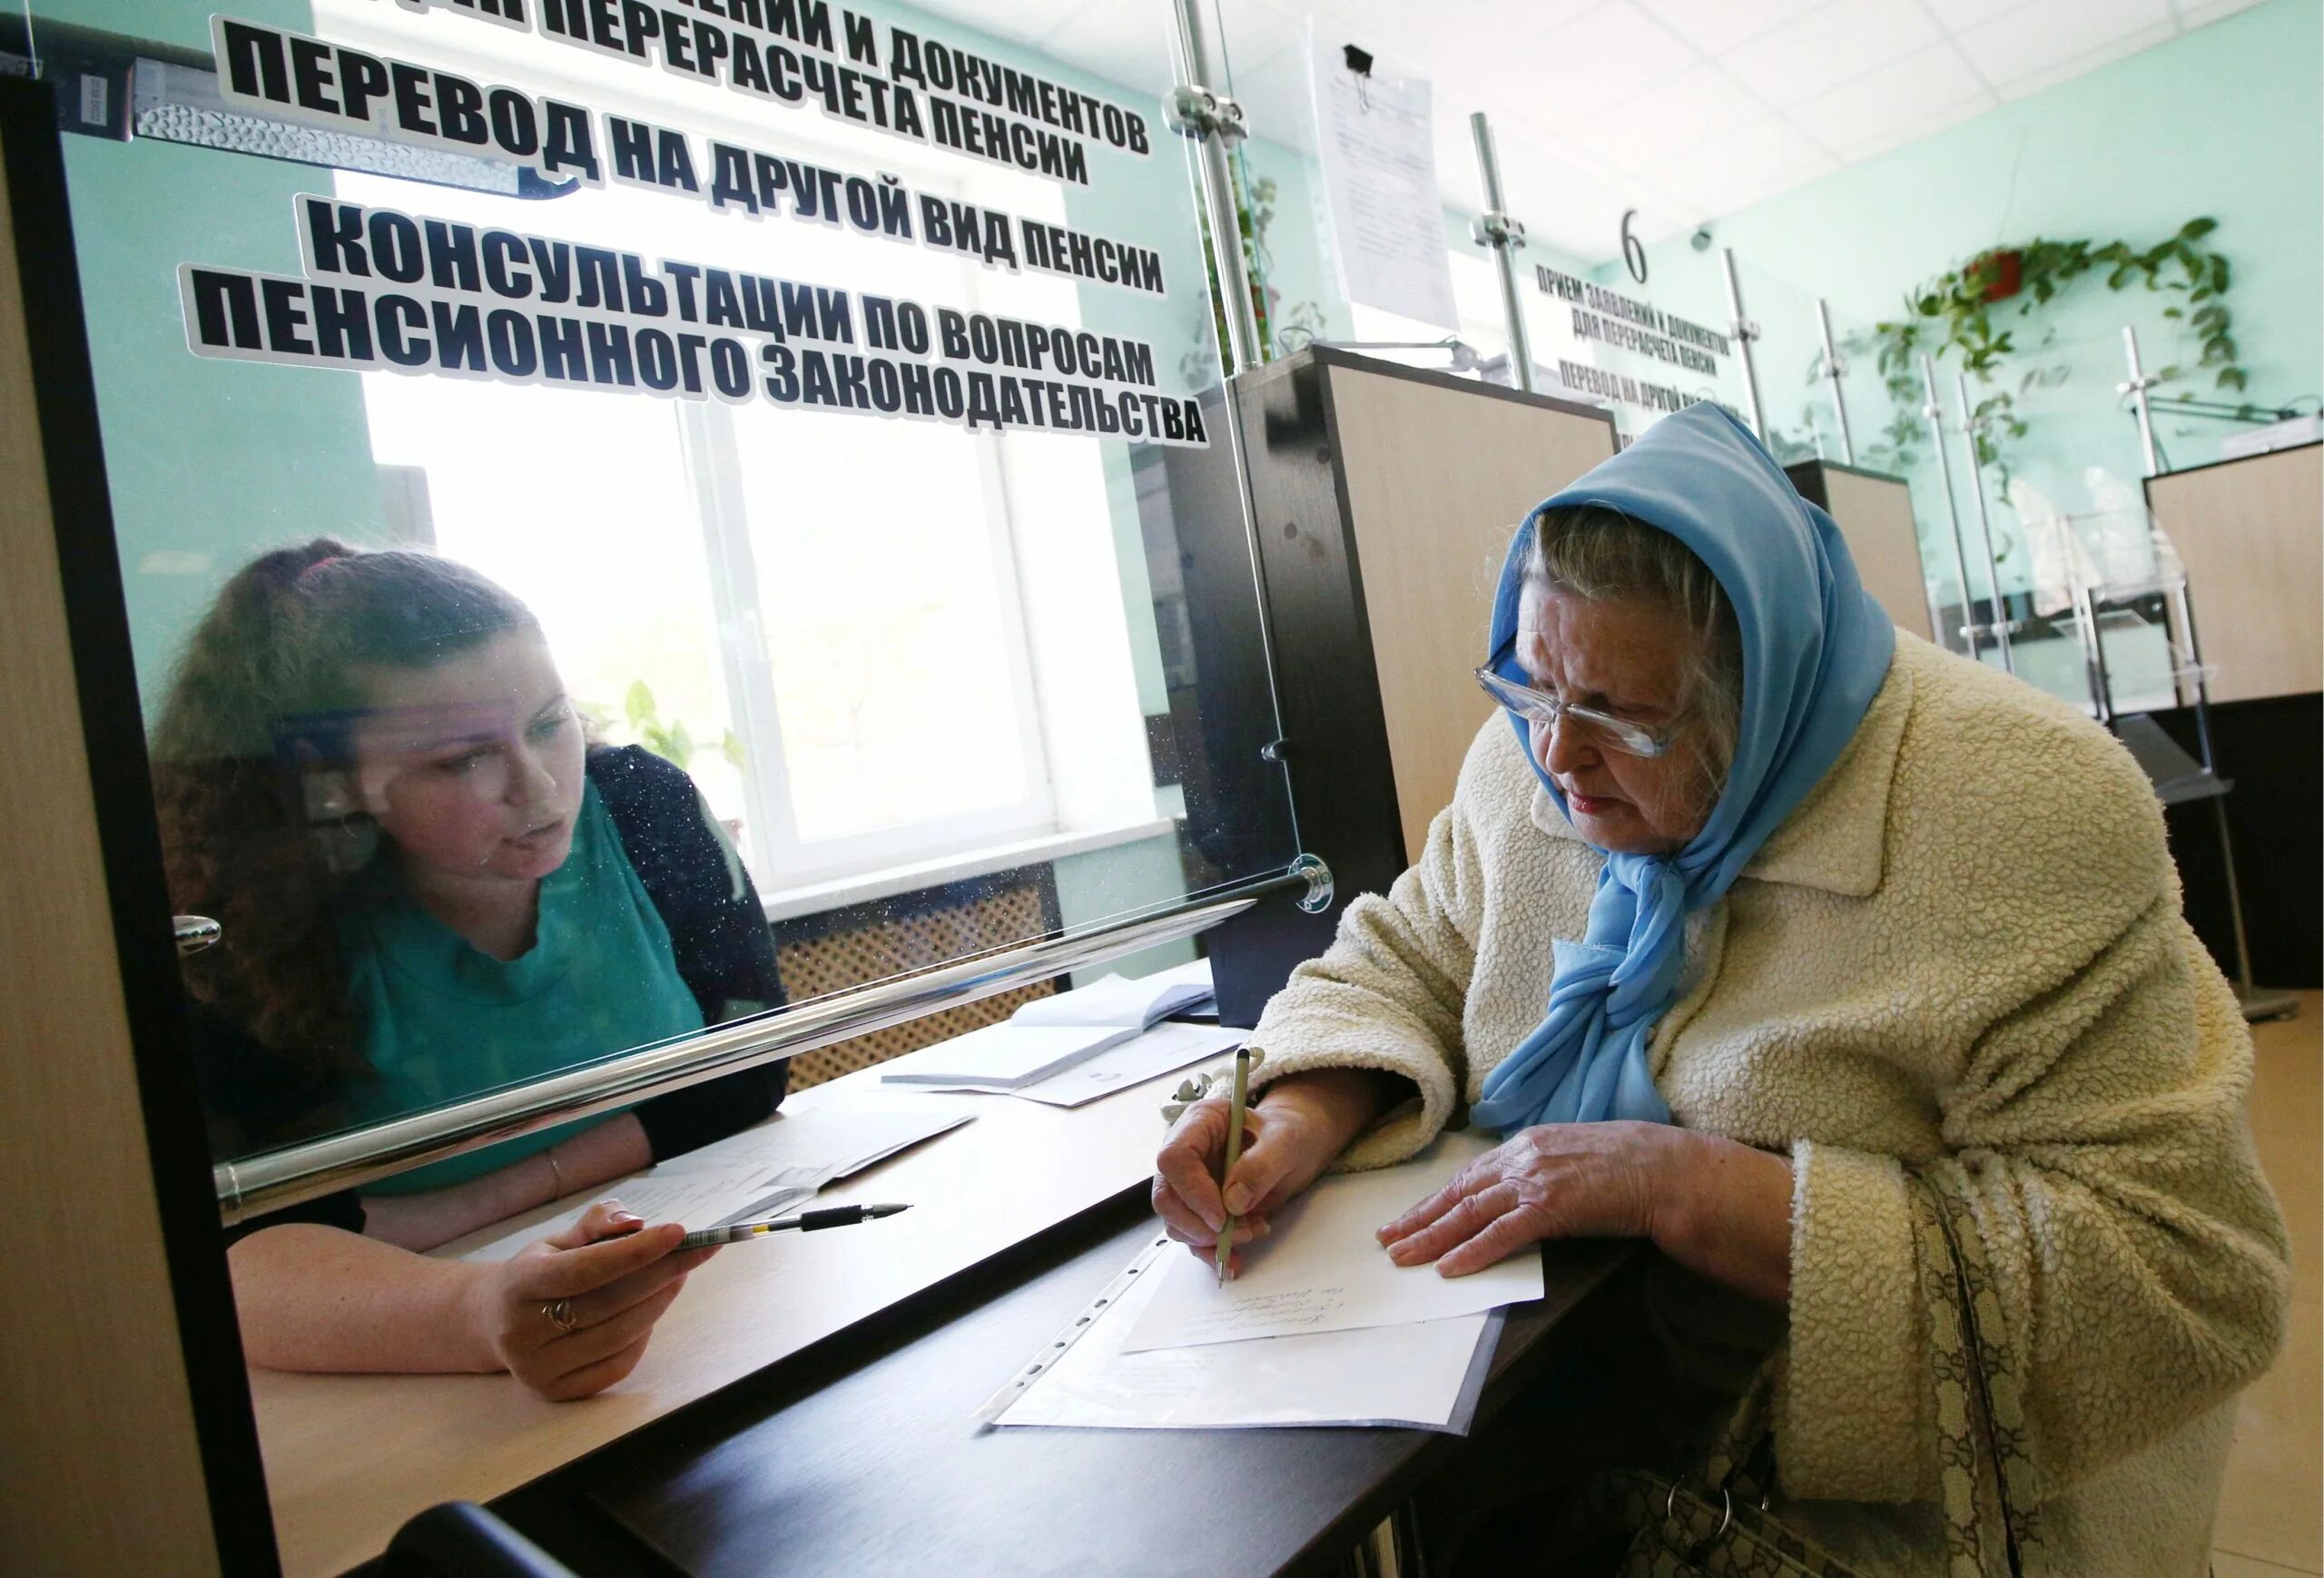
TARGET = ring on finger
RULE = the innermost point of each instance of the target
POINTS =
(560, 1316)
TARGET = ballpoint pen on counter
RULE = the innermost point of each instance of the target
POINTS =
(1233, 1153)
(804, 1222)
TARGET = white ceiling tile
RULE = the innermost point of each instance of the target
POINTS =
(1455, 39)
(1713, 25)
(1583, 67)
(1021, 19)
(1756, 160)
(1815, 53)
(1911, 132)
(1924, 83)
(1668, 118)
(1574, 209)
(2050, 32)
(1279, 104)
(2193, 17)
(1490, 24)
(2120, 48)
(1253, 34)
(1127, 44)
(1953, 15)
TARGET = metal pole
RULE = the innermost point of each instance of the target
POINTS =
(1504, 235)
(1935, 416)
(2136, 388)
(1969, 426)
(2102, 677)
(305, 1171)
(1832, 368)
(1216, 121)
(1745, 331)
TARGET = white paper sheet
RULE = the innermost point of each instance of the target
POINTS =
(1324, 1270)
(1377, 156)
(830, 1142)
(762, 1171)
(1418, 1376)
(1193, 972)
(698, 1199)
(1158, 1051)
(1117, 1000)
(1002, 1056)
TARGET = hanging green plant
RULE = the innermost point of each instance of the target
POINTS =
(1955, 312)
(1282, 330)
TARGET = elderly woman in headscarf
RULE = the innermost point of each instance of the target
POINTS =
(1747, 911)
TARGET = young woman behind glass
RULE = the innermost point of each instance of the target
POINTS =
(430, 885)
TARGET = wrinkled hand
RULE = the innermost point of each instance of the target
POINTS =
(1558, 1180)
(1286, 1144)
(616, 1275)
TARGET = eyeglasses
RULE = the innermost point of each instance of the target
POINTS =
(1538, 707)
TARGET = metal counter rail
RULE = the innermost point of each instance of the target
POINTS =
(278, 1179)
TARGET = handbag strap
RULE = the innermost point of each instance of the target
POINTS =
(1979, 1398)
(1977, 1390)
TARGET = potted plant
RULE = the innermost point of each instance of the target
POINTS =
(1998, 274)
(1952, 314)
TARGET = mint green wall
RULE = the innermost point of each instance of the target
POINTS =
(2226, 120)
(1106, 882)
(210, 462)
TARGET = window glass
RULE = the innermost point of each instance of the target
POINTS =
(620, 535)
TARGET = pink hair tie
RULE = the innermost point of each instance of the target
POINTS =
(319, 563)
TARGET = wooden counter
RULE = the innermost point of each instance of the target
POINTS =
(348, 1458)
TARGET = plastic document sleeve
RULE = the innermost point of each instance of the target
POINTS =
(1425, 1376)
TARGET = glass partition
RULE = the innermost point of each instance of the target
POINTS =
(631, 517)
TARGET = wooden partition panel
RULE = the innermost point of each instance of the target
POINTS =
(103, 1468)
(1874, 515)
(2252, 534)
(1437, 476)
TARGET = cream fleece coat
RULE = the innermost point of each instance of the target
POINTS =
(1963, 948)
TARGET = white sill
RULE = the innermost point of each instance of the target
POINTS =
(866, 886)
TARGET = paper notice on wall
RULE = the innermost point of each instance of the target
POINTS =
(1378, 160)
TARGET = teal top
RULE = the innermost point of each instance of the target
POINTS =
(443, 1020)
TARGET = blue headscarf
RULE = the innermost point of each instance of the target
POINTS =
(1816, 650)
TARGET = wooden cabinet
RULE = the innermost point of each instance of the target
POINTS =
(1382, 499)
(2251, 533)
(1875, 514)
(121, 1382)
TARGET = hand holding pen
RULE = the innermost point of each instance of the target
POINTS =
(571, 1314)
(1288, 1139)
(804, 1222)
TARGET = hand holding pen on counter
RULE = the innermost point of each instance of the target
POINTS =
(805, 1222)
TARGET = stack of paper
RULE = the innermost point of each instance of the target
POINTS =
(760, 1172)
(1005, 1056)
(1160, 1051)
(1051, 1035)
(1118, 999)
(1321, 1327)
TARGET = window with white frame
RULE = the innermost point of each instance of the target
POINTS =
(864, 638)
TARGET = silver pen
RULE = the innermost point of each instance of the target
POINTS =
(804, 1222)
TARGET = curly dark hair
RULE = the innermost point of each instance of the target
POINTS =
(250, 739)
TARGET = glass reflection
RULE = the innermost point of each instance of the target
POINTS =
(431, 883)
(919, 690)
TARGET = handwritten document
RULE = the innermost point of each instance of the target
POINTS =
(1322, 1269)
(1424, 1376)
(1378, 157)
